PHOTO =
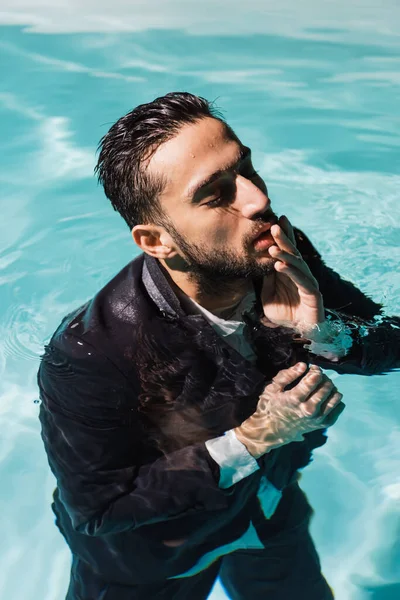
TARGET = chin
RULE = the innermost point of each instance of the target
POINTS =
(265, 258)
(267, 264)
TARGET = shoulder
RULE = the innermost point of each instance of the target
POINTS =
(104, 326)
(305, 246)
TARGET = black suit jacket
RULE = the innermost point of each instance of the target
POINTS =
(131, 387)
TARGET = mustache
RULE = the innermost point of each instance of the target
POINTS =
(269, 217)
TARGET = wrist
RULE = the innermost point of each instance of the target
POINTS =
(252, 447)
(256, 447)
(329, 338)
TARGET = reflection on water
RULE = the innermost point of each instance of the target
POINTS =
(316, 96)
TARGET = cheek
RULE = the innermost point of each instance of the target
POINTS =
(223, 237)
(229, 241)
(215, 231)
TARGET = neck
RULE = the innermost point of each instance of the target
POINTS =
(212, 297)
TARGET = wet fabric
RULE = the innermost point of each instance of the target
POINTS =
(286, 567)
(131, 390)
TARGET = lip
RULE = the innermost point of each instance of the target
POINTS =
(265, 228)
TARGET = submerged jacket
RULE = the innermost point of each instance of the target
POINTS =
(132, 387)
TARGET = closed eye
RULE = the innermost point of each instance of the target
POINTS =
(226, 191)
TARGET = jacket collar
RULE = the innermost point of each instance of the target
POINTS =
(160, 291)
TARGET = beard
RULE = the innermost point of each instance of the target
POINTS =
(217, 272)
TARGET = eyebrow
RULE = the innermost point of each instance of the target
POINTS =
(193, 190)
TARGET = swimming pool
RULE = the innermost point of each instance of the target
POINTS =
(315, 92)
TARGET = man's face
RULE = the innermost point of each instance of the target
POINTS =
(215, 202)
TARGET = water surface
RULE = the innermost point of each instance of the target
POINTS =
(314, 90)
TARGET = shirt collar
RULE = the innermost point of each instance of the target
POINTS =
(161, 292)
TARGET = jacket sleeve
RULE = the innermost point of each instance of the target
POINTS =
(236, 463)
(376, 336)
(109, 480)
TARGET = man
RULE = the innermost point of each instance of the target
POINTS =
(180, 402)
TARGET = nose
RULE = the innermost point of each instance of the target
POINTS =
(252, 200)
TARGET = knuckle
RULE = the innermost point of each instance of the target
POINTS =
(317, 374)
(313, 380)
(314, 400)
(308, 410)
(334, 401)
(276, 383)
(309, 414)
(312, 376)
(328, 385)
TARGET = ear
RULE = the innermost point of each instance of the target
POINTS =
(154, 240)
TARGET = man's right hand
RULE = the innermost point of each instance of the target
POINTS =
(282, 416)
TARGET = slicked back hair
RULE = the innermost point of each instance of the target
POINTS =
(133, 139)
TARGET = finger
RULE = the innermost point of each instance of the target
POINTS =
(282, 240)
(308, 384)
(334, 415)
(328, 405)
(306, 284)
(312, 406)
(287, 228)
(287, 376)
(291, 259)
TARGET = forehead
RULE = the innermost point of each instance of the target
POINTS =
(195, 152)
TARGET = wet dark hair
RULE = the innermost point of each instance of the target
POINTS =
(133, 139)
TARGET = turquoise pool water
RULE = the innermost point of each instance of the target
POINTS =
(314, 89)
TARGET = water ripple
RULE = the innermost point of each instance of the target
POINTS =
(22, 330)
